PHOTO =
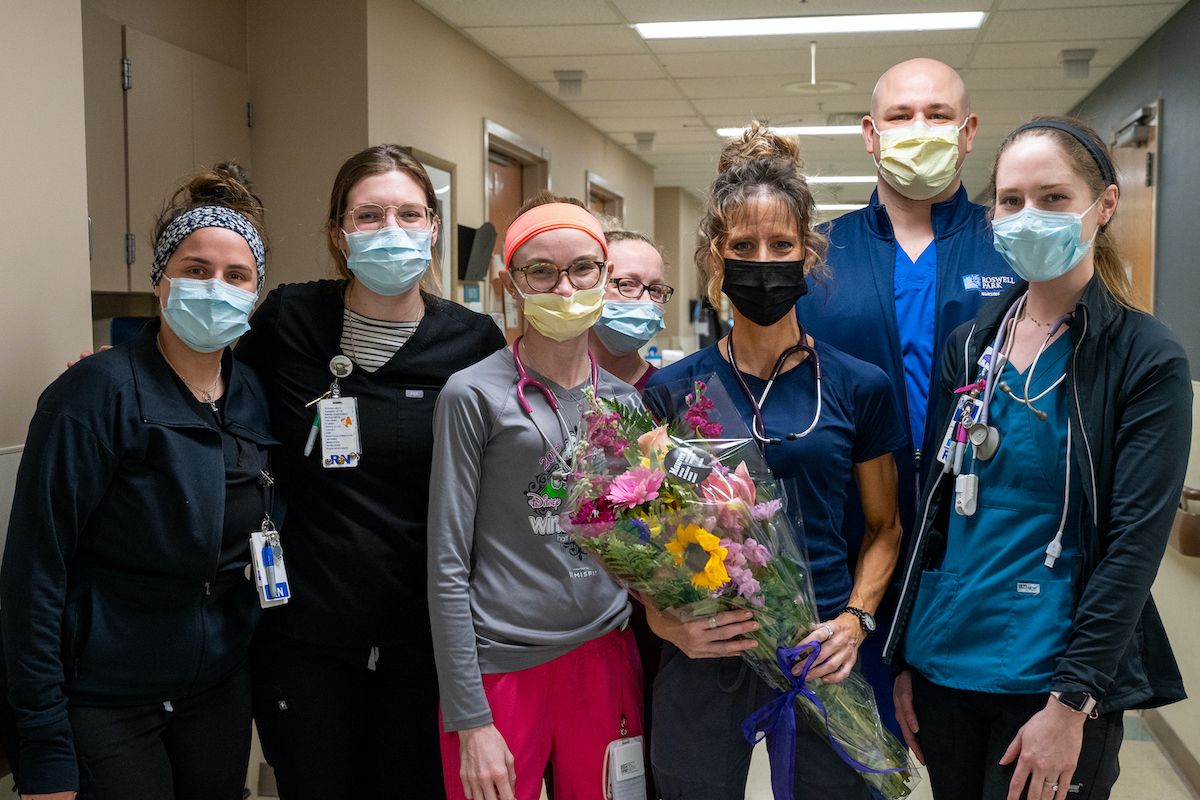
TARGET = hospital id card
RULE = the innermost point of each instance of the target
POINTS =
(341, 446)
(270, 574)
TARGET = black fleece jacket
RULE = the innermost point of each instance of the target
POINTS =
(1131, 412)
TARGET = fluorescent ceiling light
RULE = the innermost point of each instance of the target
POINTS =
(841, 179)
(840, 206)
(800, 130)
(807, 26)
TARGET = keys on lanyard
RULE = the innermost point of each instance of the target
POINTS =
(336, 421)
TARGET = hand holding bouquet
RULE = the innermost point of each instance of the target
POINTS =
(691, 520)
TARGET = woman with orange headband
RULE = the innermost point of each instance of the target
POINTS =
(534, 660)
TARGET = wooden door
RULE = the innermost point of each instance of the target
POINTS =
(505, 195)
(1133, 226)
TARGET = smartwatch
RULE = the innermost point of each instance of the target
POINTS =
(864, 619)
(1081, 702)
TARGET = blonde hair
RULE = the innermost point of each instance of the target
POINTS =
(758, 162)
(1109, 264)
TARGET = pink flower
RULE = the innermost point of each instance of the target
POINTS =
(755, 553)
(638, 485)
(726, 488)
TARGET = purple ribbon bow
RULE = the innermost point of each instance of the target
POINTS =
(776, 720)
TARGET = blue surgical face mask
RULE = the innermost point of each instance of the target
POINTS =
(625, 326)
(1041, 245)
(389, 261)
(207, 315)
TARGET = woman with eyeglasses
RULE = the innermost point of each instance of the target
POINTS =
(535, 661)
(634, 299)
(820, 417)
(345, 685)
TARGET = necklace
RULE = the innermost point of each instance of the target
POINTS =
(206, 395)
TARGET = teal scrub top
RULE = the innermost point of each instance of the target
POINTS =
(994, 618)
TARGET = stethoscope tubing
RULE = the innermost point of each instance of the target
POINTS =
(524, 382)
(757, 405)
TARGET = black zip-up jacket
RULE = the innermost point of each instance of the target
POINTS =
(356, 538)
(110, 592)
(1130, 408)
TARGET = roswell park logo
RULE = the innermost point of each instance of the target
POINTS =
(987, 285)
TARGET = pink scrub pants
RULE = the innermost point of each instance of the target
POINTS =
(562, 713)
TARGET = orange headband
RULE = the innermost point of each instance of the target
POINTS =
(550, 217)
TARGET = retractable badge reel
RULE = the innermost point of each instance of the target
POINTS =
(625, 767)
(336, 421)
(266, 556)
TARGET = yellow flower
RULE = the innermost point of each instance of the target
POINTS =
(700, 552)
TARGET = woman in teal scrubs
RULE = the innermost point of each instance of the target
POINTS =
(1026, 626)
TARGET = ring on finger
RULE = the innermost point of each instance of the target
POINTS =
(828, 631)
(712, 623)
(1052, 784)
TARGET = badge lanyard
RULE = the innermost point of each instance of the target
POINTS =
(524, 382)
(759, 428)
(336, 421)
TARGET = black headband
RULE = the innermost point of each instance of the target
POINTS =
(1106, 168)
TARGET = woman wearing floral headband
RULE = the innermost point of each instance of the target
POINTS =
(820, 416)
(125, 608)
(534, 659)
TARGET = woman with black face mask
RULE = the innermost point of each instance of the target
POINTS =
(820, 417)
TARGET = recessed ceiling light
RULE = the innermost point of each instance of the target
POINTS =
(800, 130)
(840, 179)
(807, 26)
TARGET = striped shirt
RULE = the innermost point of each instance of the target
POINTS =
(371, 343)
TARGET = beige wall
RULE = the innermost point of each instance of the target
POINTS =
(676, 220)
(1177, 594)
(308, 84)
(215, 29)
(431, 88)
(45, 312)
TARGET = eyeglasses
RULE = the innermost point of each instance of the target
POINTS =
(634, 289)
(542, 276)
(372, 216)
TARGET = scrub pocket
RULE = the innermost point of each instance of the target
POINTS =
(925, 636)
(1039, 625)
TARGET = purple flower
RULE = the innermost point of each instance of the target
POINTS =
(764, 511)
(643, 530)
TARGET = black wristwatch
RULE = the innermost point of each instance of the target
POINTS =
(1081, 702)
(864, 619)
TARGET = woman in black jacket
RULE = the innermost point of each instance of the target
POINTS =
(345, 685)
(1026, 625)
(126, 610)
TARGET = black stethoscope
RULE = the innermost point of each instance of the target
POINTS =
(524, 381)
(759, 427)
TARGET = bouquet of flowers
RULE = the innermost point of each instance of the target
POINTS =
(687, 515)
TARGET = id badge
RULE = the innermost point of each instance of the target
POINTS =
(341, 446)
(943, 454)
(625, 770)
(270, 574)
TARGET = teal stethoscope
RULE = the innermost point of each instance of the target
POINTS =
(970, 422)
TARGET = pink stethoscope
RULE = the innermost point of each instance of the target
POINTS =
(524, 381)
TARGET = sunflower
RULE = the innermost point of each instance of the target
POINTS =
(702, 554)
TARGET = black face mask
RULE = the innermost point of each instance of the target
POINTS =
(764, 291)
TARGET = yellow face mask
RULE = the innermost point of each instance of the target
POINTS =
(562, 318)
(919, 161)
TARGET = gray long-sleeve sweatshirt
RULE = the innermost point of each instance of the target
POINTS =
(508, 590)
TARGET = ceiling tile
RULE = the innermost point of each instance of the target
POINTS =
(796, 110)
(1015, 5)
(608, 67)
(785, 62)
(1075, 23)
(653, 89)
(631, 108)
(630, 124)
(558, 40)
(767, 85)
(467, 13)
(1109, 52)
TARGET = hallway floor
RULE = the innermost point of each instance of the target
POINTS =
(1145, 772)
